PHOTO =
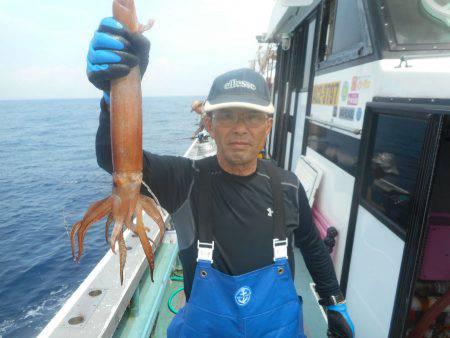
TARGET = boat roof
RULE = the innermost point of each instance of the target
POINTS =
(286, 16)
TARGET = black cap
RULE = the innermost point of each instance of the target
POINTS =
(240, 88)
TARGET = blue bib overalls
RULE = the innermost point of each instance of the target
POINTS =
(260, 303)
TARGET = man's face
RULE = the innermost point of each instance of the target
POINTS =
(239, 134)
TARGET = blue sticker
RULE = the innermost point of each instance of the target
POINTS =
(346, 113)
(358, 114)
(243, 295)
(335, 109)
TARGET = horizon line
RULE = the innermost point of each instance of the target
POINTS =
(91, 98)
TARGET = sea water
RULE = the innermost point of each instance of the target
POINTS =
(48, 177)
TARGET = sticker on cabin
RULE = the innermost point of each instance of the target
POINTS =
(344, 92)
(335, 111)
(347, 113)
(358, 114)
(353, 99)
(360, 82)
(326, 94)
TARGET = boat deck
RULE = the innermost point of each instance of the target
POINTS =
(314, 321)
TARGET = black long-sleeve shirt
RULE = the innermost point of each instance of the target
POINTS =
(243, 226)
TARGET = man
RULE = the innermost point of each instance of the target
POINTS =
(234, 215)
(197, 106)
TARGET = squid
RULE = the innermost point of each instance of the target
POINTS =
(126, 202)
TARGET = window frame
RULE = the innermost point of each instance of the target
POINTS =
(391, 38)
(373, 111)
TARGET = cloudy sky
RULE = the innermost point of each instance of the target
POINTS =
(44, 44)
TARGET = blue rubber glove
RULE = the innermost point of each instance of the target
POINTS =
(339, 322)
(113, 51)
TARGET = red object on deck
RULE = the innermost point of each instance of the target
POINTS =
(430, 316)
(322, 224)
(436, 258)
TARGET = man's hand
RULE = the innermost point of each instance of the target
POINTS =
(113, 51)
(339, 322)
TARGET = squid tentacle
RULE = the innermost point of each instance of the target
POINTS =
(95, 213)
(120, 219)
(129, 225)
(144, 240)
(151, 209)
(122, 256)
(108, 223)
(115, 234)
(77, 225)
(73, 232)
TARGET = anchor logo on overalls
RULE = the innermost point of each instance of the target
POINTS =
(243, 295)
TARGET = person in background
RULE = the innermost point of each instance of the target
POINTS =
(197, 106)
(234, 214)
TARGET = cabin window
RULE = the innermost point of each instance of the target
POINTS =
(337, 147)
(393, 164)
(348, 31)
(344, 33)
(417, 22)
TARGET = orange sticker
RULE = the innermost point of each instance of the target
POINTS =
(326, 93)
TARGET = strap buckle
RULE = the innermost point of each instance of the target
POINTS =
(205, 251)
(280, 249)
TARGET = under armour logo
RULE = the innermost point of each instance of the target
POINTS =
(269, 212)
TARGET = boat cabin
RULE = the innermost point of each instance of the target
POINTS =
(362, 94)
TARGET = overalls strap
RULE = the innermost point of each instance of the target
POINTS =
(205, 202)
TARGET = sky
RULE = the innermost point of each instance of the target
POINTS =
(44, 44)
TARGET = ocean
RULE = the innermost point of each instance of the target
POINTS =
(48, 177)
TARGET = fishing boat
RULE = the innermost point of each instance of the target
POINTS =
(361, 90)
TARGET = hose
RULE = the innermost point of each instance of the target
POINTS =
(174, 278)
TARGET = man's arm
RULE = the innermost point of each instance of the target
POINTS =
(314, 252)
(103, 139)
(169, 177)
